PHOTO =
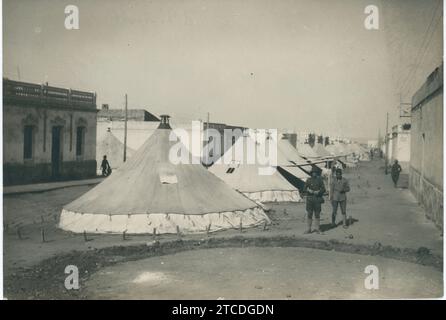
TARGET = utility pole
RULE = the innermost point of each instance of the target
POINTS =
(207, 140)
(207, 125)
(387, 142)
(125, 129)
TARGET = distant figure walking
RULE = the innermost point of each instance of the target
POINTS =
(331, 176)
(395, 172)
(315, 190)
(105, 166)
(338, 188)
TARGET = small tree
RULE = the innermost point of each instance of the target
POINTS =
(320, 139)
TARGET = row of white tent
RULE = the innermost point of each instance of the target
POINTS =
(150, 194)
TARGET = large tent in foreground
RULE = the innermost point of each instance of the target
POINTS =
(151, 194)
(246, 178)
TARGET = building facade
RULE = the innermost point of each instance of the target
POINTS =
(426, 154)
(107, 114)
(110, 134)
(143, 124)
(49, 133)
(401, 146)
(387, 148)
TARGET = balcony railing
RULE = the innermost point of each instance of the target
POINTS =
(16, 91)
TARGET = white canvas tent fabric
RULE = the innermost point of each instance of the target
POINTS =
(360, 152)
(246, 178)
(287, 155)
(350, 159)
(295, 158)
(320, 150)
(307, 152)
(297, 172)
(110, 146)
(151, 194)
(137, 131)
(337, 150)
(339, 154)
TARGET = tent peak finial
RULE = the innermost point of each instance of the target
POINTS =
(164, 122)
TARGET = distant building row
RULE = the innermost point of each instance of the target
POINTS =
(49, 133)
(52, 133)
(418, 146)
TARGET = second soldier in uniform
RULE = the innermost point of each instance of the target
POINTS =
(315, 190)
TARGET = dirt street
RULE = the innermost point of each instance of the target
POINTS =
(382, 216)
(262, 273)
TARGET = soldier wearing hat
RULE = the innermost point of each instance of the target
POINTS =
(315, 190)
(339, 186)
(395, 172)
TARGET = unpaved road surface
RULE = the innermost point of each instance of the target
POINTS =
(383, 216)
(262, 273)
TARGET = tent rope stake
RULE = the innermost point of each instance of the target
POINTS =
(42, 233)
(208, 229)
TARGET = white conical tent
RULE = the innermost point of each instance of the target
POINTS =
(338, 153)
(151, 194)
(344, 149)
(307, 152)
(361, 152)
(295, 169)
(320, 150)
(336, 150)
(110, 146)
(294, 161)
(288, 155)
(246, 178)
(347, 154)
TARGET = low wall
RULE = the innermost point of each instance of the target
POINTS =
(428, 195)
(14, 174)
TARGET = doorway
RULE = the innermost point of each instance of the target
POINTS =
(56, 152)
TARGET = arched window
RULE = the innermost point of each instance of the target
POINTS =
(80, 141)
(81, 127)
(28, 142)
(29, 123)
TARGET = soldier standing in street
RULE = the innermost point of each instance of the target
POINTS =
(395, 172)
(315, 190)
(105, 166)
(339, 186)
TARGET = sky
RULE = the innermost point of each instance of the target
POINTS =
(304, 65)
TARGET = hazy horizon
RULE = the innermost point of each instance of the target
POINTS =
(301, 65)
